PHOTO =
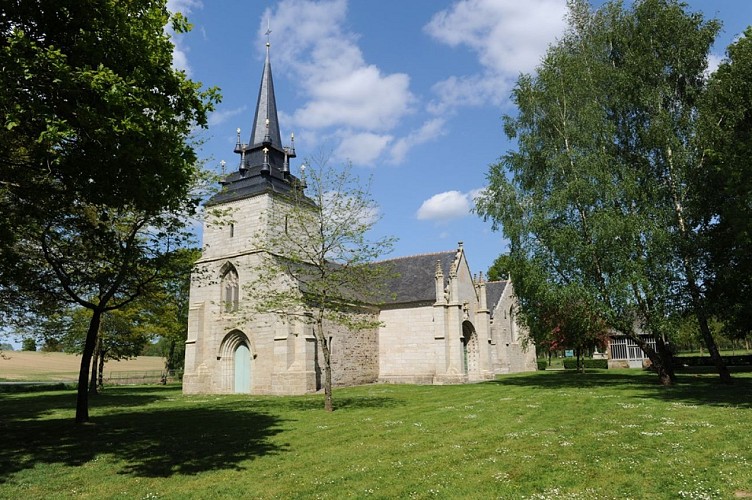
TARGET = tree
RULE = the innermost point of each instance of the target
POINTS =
(500, 268)
(28, 344)
(97, 164)
(122, 335)
(595, 198)
(166, 312)
(320, 260)
(724, 187)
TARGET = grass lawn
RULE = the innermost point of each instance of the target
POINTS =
(604, 434)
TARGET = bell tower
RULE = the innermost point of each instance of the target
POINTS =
(228, 348)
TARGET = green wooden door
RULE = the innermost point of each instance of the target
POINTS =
(242, 369)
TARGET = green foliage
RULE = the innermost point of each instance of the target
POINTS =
(723, 202)
(120, 335)
(542, 364)
(594, 200)
(98, 166)
(165, 312)
(28, 344)
(706, 361)
(35, 387)
(571, 363)
(6, 347)
(499, 270)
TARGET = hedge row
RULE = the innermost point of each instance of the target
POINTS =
(741, 360)
(571, 363)
(36, 387)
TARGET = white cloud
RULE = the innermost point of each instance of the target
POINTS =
(474, 90)
(179, 50)
(362, 148)
(345, 97)
(509, 38)
(218, 117)
(713, 62)
(362, 98)
(184, 6)
(430, 130)
(448, 205)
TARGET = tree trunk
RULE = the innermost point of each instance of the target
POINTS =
(82, 398)
(720, 365)
(660, 358)
(692, 281)
(94, 366)
(328, 404)
(100, 381)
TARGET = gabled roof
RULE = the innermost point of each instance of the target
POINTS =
(494, 290)
(413, 278)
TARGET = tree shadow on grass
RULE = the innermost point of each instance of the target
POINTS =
(696, 389)
(24, 406)
(316, 403)
(158, 442)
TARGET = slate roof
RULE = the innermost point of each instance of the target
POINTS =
(264, 161)
(237, 186)
(414, 278)
(494, 290)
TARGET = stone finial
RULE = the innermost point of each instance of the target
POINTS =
(439, 272)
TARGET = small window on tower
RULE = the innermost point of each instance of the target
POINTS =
(232, 230)
(229, 288)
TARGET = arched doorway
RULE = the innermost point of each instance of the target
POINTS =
(470, 348)
(235, 358)
(242, 358)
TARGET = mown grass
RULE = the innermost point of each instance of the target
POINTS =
(609, 434)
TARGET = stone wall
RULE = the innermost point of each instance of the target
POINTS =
(514, 352)
(407, 347)
(354, 355)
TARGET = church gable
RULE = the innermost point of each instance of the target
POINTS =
(467, 292)
(494, 292)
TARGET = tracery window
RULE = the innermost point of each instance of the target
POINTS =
(230, 288)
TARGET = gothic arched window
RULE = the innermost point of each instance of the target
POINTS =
(230, 288)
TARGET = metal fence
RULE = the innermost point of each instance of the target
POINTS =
(141, 377)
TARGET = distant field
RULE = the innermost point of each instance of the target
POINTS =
(58, 366)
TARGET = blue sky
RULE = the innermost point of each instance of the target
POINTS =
(411, 92)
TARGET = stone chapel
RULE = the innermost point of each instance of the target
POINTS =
(440, 324)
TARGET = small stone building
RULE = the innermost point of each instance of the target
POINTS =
(440, 325)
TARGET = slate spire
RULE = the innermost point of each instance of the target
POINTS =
(264, 162)
(266, 125)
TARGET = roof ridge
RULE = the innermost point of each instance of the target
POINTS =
(444, 252)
